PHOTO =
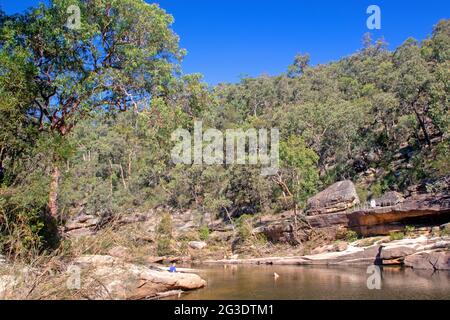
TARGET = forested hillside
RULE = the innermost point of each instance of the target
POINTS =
(87, 116)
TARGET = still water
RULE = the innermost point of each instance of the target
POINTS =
(299, 282)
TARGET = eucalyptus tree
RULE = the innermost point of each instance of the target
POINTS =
(123, 53)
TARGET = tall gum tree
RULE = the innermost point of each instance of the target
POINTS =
(124, 53)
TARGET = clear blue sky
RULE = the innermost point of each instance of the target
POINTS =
(229, 38)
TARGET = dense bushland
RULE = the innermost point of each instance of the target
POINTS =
(86, 121)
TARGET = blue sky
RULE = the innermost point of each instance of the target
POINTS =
(226, 39)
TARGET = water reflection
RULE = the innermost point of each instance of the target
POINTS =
(295, 282)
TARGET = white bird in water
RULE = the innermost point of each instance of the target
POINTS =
(276, 275)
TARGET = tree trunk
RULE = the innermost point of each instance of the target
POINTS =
(53, 196)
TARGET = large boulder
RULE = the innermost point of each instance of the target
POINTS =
(282, 232)
(391, 198)
(338, 197)
(106, 277)
(429, 260)
(198, 245)
(396, 251)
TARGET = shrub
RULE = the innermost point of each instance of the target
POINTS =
(396, 236)
(203, 233)
(409, 230)
(351, 236)
(377, 190)
(445, 232)
(362, 193)
(164, 247)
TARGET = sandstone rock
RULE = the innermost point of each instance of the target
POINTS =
(82, 222)
(280, 232)
(391, 262)
(340, 246)
(383, 220)
(120, 252)
(377, 221)
(396, 251)
(198, 245)
(321, 249)
(106, 277)
(329, 220)
(338, 197)
(80, 233)
(429, 260)
(391, 198)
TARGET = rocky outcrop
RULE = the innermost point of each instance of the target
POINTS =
(83, 225)
(198, 245)
(382, 220)
(429, 260)
(424, 209)
(408, 252)
(338, 197)
(282, 232)
(107, 277)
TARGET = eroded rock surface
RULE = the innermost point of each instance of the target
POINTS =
(107, 277)
(198, 245)
(408, 252)
(382, 220)
(429, 260)
(338, 197)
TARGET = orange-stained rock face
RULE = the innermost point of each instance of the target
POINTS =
(382, 220)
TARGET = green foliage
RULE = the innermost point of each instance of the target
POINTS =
(441, 163)
(409, 231)
(61, 90)
(245, 227)
(164, 235)
(362, 193)
(25, 229)
(396, 236)
(351, 236)
(203, 233)
(377, 190)
(299, 165)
